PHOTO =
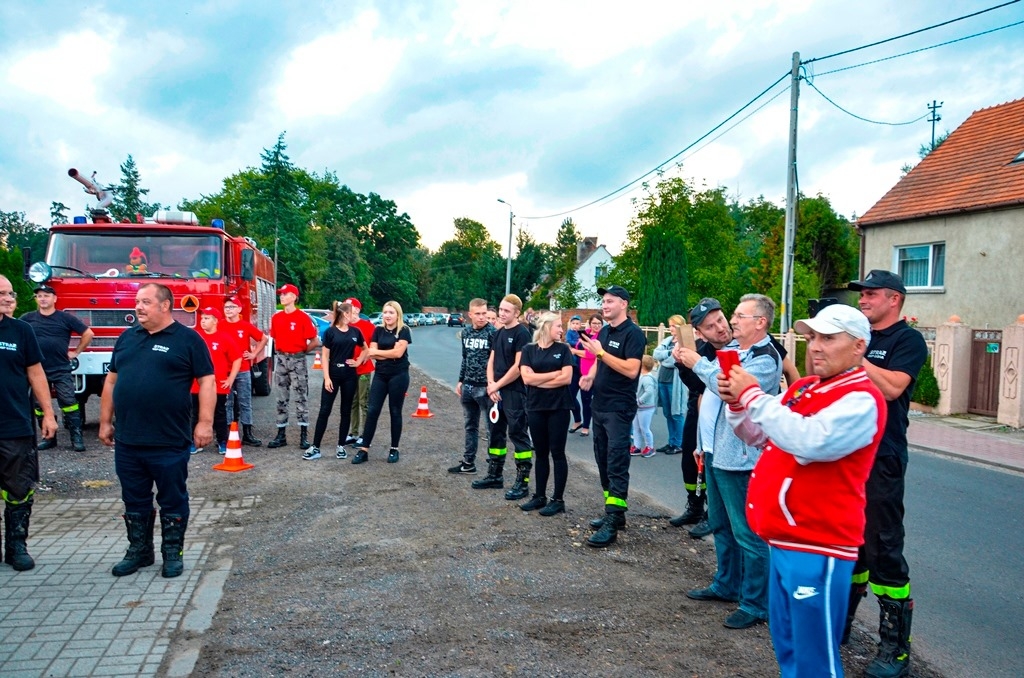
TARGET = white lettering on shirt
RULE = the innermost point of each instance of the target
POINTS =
(161, 349)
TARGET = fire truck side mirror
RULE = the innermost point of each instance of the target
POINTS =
(248, 264)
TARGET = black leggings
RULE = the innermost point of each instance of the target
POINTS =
(392, 387)
(549, 430)
(345, 382)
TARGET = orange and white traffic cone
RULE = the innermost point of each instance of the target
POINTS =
(233, 461)
(317, 364)
(423, 409)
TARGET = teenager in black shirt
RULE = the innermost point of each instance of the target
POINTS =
(546, 367)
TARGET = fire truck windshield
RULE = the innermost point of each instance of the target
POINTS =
(128, 254)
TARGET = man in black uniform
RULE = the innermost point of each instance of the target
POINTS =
(505, 387)
(613, 379)
(895, 355)
(20, 371)
(148, 389)
(472, 385)
(53, 329)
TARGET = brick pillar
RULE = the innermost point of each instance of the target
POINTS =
(1011, 398)
(951, 361)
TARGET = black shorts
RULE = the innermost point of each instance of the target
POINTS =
(19, 467)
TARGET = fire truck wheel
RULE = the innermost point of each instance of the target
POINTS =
(261, 378)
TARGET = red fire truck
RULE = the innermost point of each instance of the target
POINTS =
(96, 266)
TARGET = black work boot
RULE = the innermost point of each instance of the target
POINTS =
(172, 547)
(693, 513)
(281, 439)
(248, 438)
(303, 439)
(45, 443)
(16, 519)
(702, 528)
(858, 592)
(140, 544)
(893, 659)
(598, 523)
(521, 487)
(609, 531)
(73, 423)
(494, 477)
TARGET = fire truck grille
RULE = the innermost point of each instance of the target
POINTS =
(94, 317)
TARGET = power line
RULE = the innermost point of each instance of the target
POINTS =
(915, 51)
(874, 122)
(659, 166)
(906, 35)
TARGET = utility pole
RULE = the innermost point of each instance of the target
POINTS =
(934, 108)
(786, 314)
(508, 262)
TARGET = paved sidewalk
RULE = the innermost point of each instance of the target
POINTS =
(977, 439)
(70, 617)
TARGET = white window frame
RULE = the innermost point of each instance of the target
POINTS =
(931, 286)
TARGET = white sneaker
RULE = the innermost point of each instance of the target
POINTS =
(342, 452)
(311, 453)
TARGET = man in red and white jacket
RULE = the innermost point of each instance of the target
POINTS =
(806, 495)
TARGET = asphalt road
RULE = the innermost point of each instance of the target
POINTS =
(964, 545)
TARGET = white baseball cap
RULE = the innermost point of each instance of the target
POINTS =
(835, 319)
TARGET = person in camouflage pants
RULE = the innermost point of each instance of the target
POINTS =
(294, 336)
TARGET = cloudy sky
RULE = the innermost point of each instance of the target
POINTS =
(446, 106)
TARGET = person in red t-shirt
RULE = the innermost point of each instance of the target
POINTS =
(363, 372)
(294, 337)
(227, 360)
(252, 342)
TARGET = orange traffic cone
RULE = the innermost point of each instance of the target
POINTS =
(317, 365)
(423, 409)
(233, 461)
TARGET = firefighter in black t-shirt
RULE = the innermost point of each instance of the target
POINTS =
(613, 379)
(148, 389)
(53, 329)
(505, 388)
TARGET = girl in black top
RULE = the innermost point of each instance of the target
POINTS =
(546, 369)
(388, 347)
(339, 365)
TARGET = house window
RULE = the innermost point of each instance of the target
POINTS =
(600, 271)
(922, 265)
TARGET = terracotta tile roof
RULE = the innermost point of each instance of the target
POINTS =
(972, 170)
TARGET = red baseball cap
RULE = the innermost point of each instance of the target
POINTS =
(211, 311)
(289, 288)
(355, 303)
(233, 300)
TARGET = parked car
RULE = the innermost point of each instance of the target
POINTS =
(322, 323)
(429, 319)
(376, 318)
(421, 319)
(456, 319)
(440, 318)
(410, 319)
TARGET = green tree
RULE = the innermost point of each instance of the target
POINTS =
(923, 151)
(663, 274)
(17, 232)
(529, 267)
(12, 266)
(58, 213)
(129, 195)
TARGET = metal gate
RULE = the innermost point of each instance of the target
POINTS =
(985, 355)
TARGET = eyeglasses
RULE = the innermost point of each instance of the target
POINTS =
(12, 294)
(745, 316)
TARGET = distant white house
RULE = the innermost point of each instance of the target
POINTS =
(594, 261)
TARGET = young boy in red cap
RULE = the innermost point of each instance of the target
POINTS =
(294, 336)
(252, 342)
(227, 360)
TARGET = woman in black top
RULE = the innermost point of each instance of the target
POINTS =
(388, 347)
(339, 365)
(546, 368)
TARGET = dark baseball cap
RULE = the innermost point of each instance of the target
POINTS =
(575, 317)
(44, 288)
(615, 291)
(701, 310)
(879, 279)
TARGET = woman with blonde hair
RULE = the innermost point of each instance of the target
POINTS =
(546, 369)
(389, 348)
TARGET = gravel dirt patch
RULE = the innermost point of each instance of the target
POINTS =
(403, 569)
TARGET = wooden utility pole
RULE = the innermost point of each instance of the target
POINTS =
(934, 108)
(786, 310)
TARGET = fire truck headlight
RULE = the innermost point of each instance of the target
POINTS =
(39, 272)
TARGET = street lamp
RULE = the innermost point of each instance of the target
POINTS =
(508, 265)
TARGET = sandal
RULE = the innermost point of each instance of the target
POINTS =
(584, 434)
(576, 428)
